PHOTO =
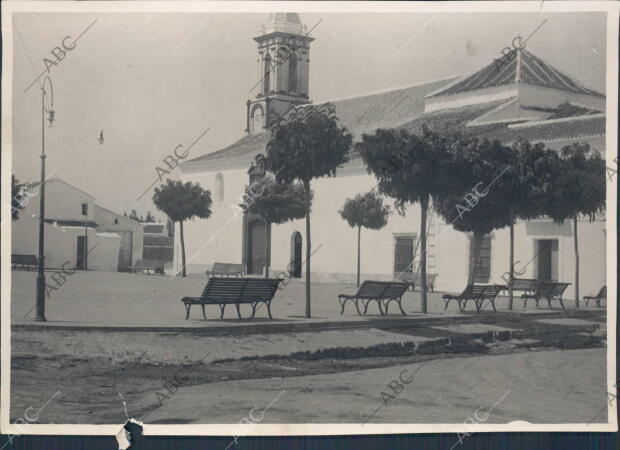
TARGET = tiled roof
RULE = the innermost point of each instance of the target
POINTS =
(523, 67)
(360, 115)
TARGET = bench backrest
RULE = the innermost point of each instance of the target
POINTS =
(491, 290)
(474, 290)
(24, 259)
(524, 284)
(240, 289)
(149, 264)
(227, 268)
(382, 289)
(550, 289)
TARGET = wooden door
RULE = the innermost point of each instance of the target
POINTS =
(257, 248)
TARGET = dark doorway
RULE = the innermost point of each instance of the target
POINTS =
(295, 265)
(257, 248)
(547, 259)
(81, 253)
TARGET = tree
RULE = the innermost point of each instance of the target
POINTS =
(477, 198)
(183, 201)
(364, 211)
(528, 182)
(578, 189)
(308, 143)
(276, 203)
(150, 217)
(17, 197)
(411, 169)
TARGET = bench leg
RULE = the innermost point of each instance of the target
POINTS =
(366, 302)
(561, 302)
(238, 310)
(187, 308)
(341, 305)
(524, 303)
(446, 303)
(356, 301)
(462, 304)
(254, 308)
(400, 306)
(387, 305)
(222, 308)
(269, 309)
(549, 302)
(204, 314)
(380, 307)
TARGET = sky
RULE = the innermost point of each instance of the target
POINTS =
(154, 81)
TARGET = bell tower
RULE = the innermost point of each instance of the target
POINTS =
(284, 61)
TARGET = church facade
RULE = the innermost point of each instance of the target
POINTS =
(525, 97)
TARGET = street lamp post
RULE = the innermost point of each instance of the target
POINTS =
(40, 305)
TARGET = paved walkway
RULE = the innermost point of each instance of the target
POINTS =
(111, 299)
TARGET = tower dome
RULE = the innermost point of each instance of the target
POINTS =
(284, 22)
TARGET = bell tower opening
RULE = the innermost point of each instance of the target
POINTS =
(284, 55)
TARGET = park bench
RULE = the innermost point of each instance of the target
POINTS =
(415, 280)
(148, 265)
(602, 295)
(225, 269)
(234, 291)
(383, 292)
(549, 290)
(526, 285)
(24, 262)
(478, 293)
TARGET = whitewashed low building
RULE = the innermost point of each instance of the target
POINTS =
(112, 242)
(526, 97)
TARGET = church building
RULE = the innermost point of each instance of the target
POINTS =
(524, 97)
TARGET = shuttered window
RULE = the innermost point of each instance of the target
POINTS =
(403, 254)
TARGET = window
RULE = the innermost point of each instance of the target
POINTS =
(219, 187)
(257, 121)
(403, 255)
(267, 75)
(292, 72)
(483, 267)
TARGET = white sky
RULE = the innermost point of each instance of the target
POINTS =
(151, 84)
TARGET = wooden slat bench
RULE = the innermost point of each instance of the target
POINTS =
(416, 280)
(478, 293)
(549, 290)
(602, 295)
(383, 292)
(148, 265)
(234, 291)
(526, 285)
(225, 269)
(24, 262)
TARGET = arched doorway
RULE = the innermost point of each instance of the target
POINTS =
(257, 247)
(295, 264)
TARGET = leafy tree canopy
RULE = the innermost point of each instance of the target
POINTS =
(182, 201)
(479, 197)
(308, 143)
(277, 202)
(579, 184)
(366, 211)
(409, 167)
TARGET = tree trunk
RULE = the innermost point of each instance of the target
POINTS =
(268, 251)
(476, 256)
(183, 271)
(511, 270)
(424, 205)
(308, 253)
(576, 262)
(359, 233)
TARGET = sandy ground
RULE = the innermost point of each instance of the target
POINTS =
(122, 299)
(539, 387)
